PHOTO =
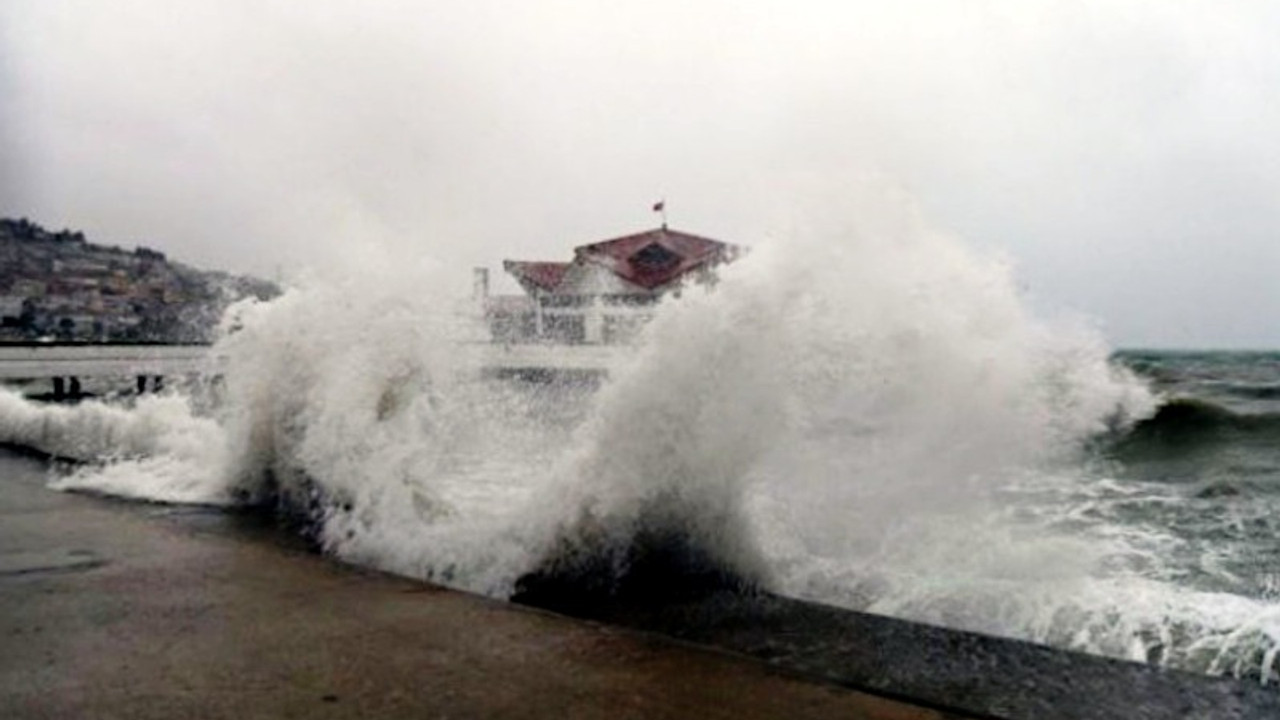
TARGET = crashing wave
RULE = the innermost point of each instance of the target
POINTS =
(864, 417)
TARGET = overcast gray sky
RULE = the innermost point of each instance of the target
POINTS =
(1125, 155)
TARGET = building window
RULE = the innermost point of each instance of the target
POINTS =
(655, 257)
(630, 300)
(564, 328)
(560, 301)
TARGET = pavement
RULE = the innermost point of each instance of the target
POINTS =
(119, 610)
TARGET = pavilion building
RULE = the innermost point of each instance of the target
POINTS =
(606, 293)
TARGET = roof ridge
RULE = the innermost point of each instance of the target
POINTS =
(618, 256)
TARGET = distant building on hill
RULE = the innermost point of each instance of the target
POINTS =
(606, 293)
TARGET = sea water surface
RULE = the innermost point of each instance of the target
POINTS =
(871, 419)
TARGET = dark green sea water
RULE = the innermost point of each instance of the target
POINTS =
(1210, 462)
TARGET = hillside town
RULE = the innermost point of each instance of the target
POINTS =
(57, 286)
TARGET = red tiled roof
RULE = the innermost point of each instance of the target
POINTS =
(546, 275)
(655, 257)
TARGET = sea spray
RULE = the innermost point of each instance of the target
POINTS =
(851, 394)
(655, 486)
(350, 407)
(156, 450)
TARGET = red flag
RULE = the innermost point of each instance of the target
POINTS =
(658, 206)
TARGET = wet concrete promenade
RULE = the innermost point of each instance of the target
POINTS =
(112, 610)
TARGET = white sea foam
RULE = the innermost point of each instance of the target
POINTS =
(868, 417)
(157, 450)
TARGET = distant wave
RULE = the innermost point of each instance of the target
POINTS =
(1186, 424)
(1192, 415)
(1267, 391)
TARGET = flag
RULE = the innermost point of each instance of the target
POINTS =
(659, 206)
